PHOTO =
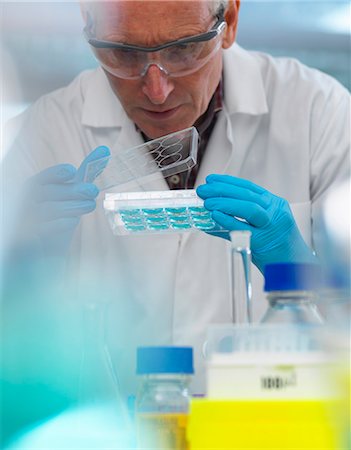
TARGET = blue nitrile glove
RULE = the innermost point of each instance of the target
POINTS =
(57, 198)
(275, 235)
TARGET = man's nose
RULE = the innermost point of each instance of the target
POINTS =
(156, 85)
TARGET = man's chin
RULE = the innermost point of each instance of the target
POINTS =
(159, 131)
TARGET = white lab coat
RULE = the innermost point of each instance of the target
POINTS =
(283, 126)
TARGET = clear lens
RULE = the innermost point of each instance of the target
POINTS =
(177, 54)
(120, 60)
(177, 60)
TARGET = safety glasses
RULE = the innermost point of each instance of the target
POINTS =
(176, 58)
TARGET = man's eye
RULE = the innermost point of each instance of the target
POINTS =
(186, 47)
(181, 46)
(181, 49)
(184, 52)
(123, 55)
(126, 53)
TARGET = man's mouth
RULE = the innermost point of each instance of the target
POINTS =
(159, 114)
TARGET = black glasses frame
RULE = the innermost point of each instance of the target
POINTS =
(203, 37)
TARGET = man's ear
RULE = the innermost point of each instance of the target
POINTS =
(231, 16)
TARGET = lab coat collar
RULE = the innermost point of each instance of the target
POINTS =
(101, 107)
(243, 85)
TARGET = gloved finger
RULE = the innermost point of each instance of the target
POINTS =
(47, 211)
(206, 191)
(221, 234)
(93, 164)
(240, 182)
(230, 223)
(253, 213)
(55, 174)
(54, 227)
(68, 191)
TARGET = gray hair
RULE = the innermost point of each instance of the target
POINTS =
(216, 5)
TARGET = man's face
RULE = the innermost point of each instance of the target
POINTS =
(159, 104)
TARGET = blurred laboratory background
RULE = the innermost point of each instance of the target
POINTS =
(42, 47)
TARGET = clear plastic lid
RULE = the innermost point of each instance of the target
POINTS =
(167, 155)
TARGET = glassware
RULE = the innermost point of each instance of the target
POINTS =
(98, 384)
(270, 391)
(241, 277)
(158, 212)
(146, 163)
(162, 402)
(292, 294)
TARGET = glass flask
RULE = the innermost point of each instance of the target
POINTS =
(98, 384)
(292, 294)
(162, 403)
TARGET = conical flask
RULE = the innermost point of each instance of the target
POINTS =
(241, 277)
(98, 382)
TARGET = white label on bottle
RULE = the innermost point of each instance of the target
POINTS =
(265, 381)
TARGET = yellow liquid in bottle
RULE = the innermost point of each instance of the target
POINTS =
(162, 431)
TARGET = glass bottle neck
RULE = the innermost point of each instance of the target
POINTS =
(166, 378)
(291, 297)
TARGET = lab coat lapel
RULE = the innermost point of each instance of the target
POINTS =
(245, 104)
(219, 149)
(128, 136)
(245, 129)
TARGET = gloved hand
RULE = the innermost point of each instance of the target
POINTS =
(57, 197)
(275, 235)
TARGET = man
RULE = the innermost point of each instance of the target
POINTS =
(269, 126)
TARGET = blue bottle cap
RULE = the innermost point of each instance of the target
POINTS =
(292, 277)
(153, 360)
